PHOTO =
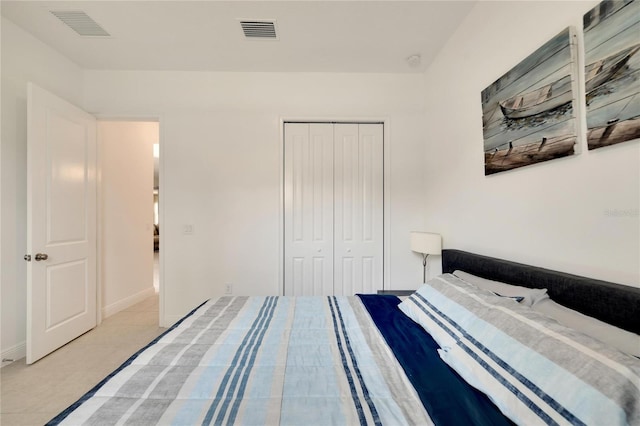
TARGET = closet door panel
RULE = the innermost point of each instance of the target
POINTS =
(358, 208)
(346, 212)
(308, 209)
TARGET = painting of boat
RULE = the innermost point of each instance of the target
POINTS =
(558, 93)
(612, 47)
(528, 114)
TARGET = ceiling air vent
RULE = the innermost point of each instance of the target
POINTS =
(81, 23)
(259, 29)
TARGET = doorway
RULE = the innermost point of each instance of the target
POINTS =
(129, 189)
(90, 225)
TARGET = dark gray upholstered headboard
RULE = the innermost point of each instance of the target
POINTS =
(615, 304)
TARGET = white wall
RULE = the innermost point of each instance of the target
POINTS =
(221, 147)
(126, 212)
(221, 167)
(553, 214)
(24, 59)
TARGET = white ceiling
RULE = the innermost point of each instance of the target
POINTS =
(314, 36)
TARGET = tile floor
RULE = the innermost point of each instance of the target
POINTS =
(33, 395)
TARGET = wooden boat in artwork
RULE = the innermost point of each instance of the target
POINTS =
(540, 100)
(600, 71)
(558, 93)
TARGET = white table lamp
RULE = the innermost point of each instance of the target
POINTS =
(426, 243)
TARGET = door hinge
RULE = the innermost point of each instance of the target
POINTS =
(27, 257)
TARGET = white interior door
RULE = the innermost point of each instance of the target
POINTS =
(308, 195)
(61, 233)
(358, 207)
(333, 197)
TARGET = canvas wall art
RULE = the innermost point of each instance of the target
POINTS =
(528, 113)
(612, 72)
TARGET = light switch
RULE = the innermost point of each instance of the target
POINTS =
(187, 229)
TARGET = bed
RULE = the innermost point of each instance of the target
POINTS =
(451, 353)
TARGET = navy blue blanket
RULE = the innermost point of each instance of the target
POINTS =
(449, 400)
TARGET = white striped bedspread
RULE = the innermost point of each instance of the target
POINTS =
(261, 361)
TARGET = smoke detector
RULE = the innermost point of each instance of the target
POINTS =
(414, 61)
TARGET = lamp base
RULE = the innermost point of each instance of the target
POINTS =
(424, 268)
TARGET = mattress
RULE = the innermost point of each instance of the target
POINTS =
(451, 353)
(291, 361)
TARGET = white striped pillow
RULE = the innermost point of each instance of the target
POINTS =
(534, 369)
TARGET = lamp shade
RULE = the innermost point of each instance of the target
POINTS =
(426, 242)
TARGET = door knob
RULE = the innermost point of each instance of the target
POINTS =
(41, 256)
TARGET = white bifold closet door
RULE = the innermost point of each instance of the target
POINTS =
(333, 198)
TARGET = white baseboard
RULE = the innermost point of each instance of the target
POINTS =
(127, 302)
(19, 351)
(15, 353)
